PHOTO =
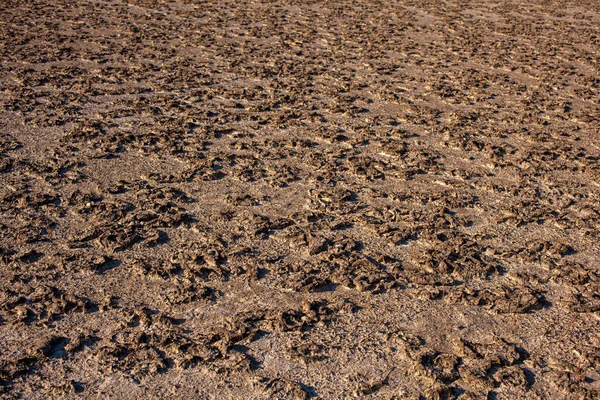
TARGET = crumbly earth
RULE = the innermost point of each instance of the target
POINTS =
(300, 199)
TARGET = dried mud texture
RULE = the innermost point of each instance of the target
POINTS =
(297, 199)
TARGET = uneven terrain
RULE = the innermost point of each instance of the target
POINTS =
(300, 199)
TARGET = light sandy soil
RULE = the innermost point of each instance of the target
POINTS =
(300, 199)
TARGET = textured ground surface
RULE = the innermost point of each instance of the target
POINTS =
(297, 199)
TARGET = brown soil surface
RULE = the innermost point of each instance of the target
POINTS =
(297, 199)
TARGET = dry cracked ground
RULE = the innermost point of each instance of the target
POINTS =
(300, 199)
